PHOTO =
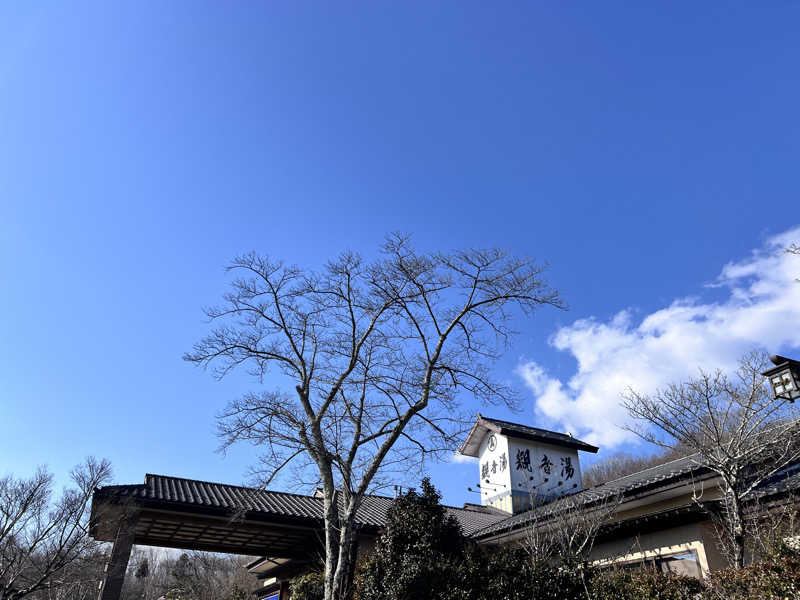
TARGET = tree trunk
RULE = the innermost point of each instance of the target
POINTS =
(345, 567)
(735, 518)
(331, 544)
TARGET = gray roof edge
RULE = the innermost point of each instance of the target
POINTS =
(520, 431)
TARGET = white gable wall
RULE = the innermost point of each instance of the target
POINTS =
(494, 470)
(551, 471)
(516, 472)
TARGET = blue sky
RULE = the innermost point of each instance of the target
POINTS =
(639, 148)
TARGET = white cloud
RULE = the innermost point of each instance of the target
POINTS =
(761, 308)
(457, 457)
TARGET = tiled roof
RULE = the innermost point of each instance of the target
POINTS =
(653, 475)
(193, 493)
(475, 521)
(485, 424)
(787, 481)
(631, 485)
(177, 490)
(627, 485)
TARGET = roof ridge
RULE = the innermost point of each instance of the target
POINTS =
(250, 488)
(658, 466)
(524, 425)
(511, 422)
(231, 485)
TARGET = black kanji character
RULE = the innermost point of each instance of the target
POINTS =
(523, 460)
(546, 465)
(567, 470)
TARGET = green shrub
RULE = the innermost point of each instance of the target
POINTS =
(495, 572)
(422, 554)
(776, 577)
(644, 584)
(417, 553)
(310, 586)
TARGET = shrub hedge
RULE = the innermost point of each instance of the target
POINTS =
(422, 555)
(778, 576)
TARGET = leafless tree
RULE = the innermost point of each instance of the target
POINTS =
(77, 581)
(153, 574)
(621, 464)
(43, 541)
(374, 357)
(773, 526)
(149, 573)
(565, 529)
(735, 427)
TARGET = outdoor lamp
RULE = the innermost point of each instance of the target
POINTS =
(784, 378)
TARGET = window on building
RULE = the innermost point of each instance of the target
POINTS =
(683, 563)
(680, 564)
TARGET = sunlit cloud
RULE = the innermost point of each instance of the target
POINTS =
(760, 309)
(461, 458)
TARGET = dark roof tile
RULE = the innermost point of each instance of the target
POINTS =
(626, 485)
(176, 490)
(630, 485)
(485, 424)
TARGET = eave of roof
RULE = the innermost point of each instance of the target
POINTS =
(641, 484)
(189, 495)
(483, 425)
(186, 496)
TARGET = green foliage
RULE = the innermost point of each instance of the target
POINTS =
(417, 525)
(645, 584)
(422, 554)
(310, 586)
(495, 572)
(417, 553)
(776, 577)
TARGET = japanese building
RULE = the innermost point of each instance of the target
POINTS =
(655, 516)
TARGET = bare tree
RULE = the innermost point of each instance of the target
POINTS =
(208, 576)
(194, 575)
(149, 574)
(42, 541)
(772, 527)
(621, 464)
(77, 581)
(735, 427)
(565, 529)
(374, 359)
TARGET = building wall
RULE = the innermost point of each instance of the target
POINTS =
(366, 545)
(668, 499)
(518, 471)
(699, 538)
(494, 470)
(658, 544)
(716, 560)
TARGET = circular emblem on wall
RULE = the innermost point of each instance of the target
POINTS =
(492, 442)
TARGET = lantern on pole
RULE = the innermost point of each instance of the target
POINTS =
(784, 378)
